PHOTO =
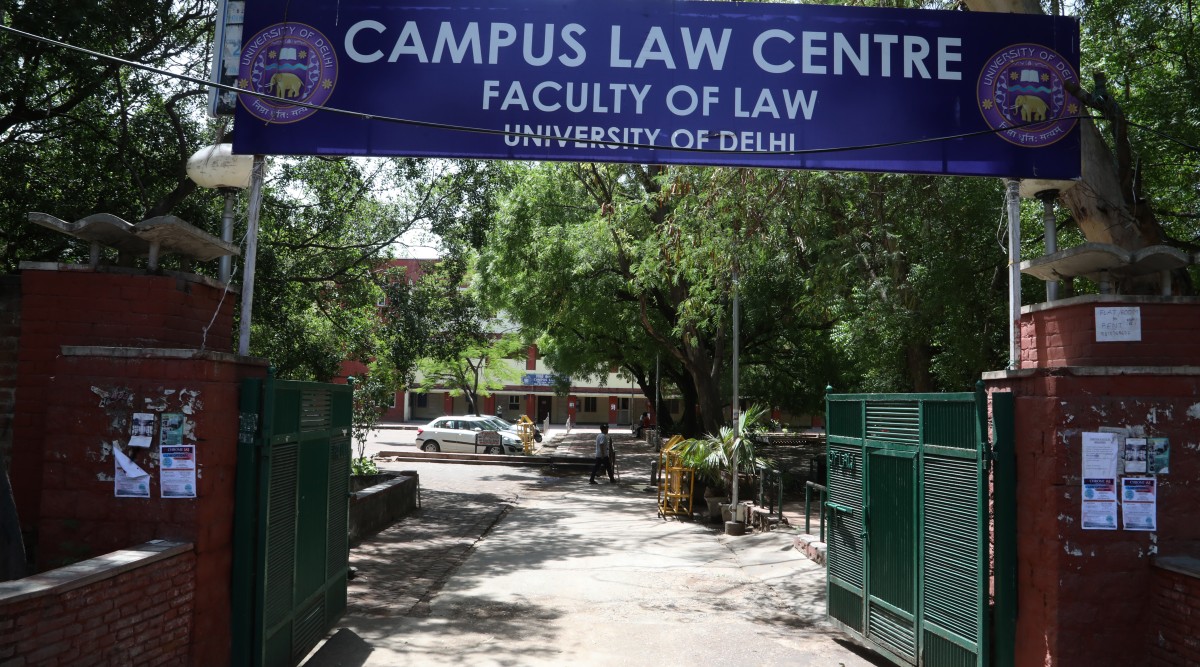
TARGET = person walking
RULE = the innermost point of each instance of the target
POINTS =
(603, 450)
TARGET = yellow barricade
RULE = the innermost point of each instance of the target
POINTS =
(525, 429)
(675, 482)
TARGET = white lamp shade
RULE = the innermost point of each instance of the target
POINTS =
(217, 167)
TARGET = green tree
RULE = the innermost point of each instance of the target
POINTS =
(628, 264)
(477, 370)
(1139, 179)
(80, 136)
(439, 335)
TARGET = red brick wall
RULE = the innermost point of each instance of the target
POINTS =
(1066, 335)
(1078, 589)
(96, 346)
(1175, 614)
(104, 307)
(131, 616)
(94, 397)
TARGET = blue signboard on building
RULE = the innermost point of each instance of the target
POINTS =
(662, 81)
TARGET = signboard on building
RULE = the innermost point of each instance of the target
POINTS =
(659, 81)
(538, 379)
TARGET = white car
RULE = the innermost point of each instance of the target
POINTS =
(458, 434)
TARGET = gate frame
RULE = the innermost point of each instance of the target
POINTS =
(265, 424)
(915, 440)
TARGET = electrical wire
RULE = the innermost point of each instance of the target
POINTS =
(529, 135)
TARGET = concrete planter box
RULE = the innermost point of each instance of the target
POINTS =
(377, 507)
(360, 482)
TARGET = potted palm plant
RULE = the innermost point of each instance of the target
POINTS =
(714, 457)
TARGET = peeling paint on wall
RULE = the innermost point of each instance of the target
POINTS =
(114, 396)
(156, 403)
(1072, 551)
(1066, 518)
(1153, 415)
(189, 401)
(118, 403)
(1194, 411)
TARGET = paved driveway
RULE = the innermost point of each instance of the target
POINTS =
(524, 566)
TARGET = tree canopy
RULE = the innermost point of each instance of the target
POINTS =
(861, 281)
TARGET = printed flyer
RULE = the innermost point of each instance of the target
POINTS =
(1100, 455)
(1160, 453)
(1099, 511)
(1139, 503)
(177, 475)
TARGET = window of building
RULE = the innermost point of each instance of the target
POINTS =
(623, 404)
(418, 400)
(514, 402)
(589, 404)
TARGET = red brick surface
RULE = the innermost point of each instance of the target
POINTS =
(116, 309)
(1066, 336)
(71, 408)
(1175, 620)
(137, 617)
(1078, 589)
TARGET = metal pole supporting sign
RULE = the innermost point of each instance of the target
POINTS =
(256, 180)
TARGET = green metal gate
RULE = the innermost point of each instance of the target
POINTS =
(907, 561)
(291, 551)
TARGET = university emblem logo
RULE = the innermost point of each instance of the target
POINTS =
(292, 61)
(1021, 94)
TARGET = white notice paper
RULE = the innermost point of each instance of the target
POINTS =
(1100, 455)
(177, 476)
(1139, 499)
(129, 480)
(1118, 324)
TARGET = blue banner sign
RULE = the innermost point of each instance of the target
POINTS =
(666, 82)
(538, 379)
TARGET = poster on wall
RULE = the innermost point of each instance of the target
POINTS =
(1160, 455)
(171, 429)
(141, 429)
(1135, 455)
(1099, 511)
(1139, 503)
(129, 479)
(1100, 455)
(177, 472)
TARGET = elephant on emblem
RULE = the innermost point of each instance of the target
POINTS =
(1032, 107)
(286, 84)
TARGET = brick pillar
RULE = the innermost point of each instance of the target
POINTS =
(613, 402)
(1079, 589)
(447, 403)
(572, 407)
(74, 305)
(489, 405)
(96, 346)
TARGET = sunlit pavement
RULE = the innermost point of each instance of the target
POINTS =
(534, 566)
